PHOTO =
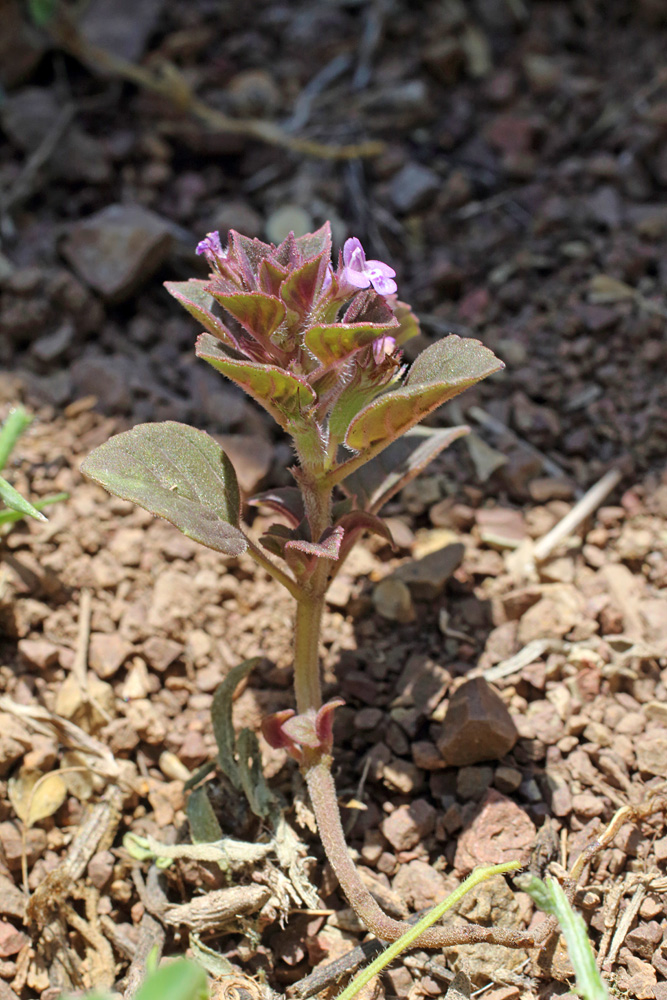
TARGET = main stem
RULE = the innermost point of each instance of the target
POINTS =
(307, 628)
(323, 798)
(317, 767)
(310, 605)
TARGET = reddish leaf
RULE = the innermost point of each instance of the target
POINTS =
(271, 277)
(315, 244)
(360, 520)
(368, 307)
(302, 286)
(257, 313)
(327, 548)
(285, 500)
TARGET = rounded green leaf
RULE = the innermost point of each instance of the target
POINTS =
(178, 473)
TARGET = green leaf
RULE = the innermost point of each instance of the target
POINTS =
(380, 479)
(13, 499)
(41, 11)
(408, 324)
(331, 342)
(204, 826)
(440, 372)
(259, 796)
(178, 473)
(314, 244)
(9, 516)
(284, 395)
(221, 718)
(214, 963)
(18, 419)
(549, 896)
(179, 980)
(194, 297)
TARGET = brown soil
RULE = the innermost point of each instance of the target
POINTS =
(519, 198)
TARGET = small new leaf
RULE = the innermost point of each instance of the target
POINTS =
(178, 473)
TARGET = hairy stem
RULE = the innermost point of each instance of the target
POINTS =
(306, 653)
(310, 604)
(323, 798)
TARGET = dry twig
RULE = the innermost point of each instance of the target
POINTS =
(168, 82)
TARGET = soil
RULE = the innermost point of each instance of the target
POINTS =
(519, 193)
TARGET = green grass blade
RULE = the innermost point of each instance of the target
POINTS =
(408, 939)
(13, 499)
(15, 424)
(549, 896)
(9, 516)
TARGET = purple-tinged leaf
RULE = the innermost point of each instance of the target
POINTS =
(301, 556)
(360, 520)
(332, 342)
(197, 300)
(380, 479)
(327, 548)
(257, 313)
(178, 473)
(284, 395)
(368, 307)
(315, 244)
(285, 500)
(275, 538)
(271, 277)
(287, 253)
(301, 287)
(248, 254)
(439, 373)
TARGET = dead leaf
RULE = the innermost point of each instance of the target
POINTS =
(35, 796)
(604, 290)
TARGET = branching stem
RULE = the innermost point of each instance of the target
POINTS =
(276, 572)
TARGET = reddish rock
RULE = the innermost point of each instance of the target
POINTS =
(100, 868)
(477, 726)
(160, 653)
(420, 885)
(409, 824)
(500, 832)
(11, 939)
(107, 653)
(39, 653)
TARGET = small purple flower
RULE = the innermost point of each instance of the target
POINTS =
(383, 348)
(361, 273)
(211, 247)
